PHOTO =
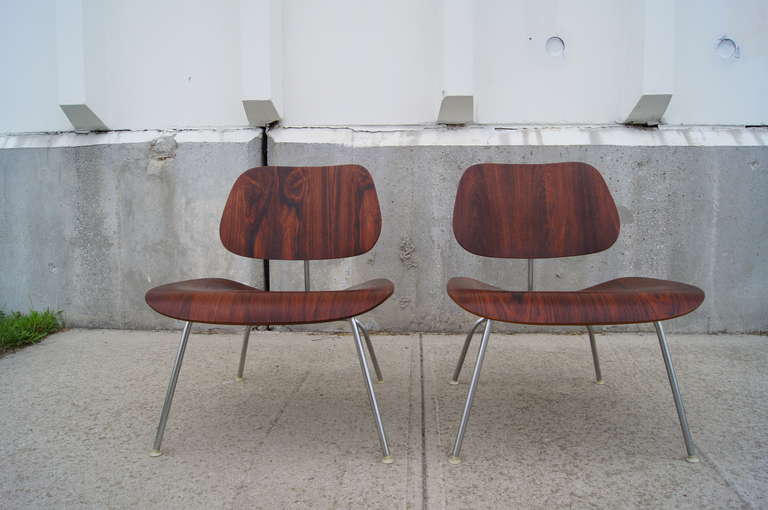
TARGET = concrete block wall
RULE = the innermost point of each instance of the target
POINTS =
(692, 203)
(89, 222)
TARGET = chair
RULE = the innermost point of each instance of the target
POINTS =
(286, 213)
(546, 211)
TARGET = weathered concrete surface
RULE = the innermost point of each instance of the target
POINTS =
(543, 435)
(694, 214)
(88, 229)
(80, 409)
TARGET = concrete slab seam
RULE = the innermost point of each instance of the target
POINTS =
(424, 493)
(716, 468)
(276, 419)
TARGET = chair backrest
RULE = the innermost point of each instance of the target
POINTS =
(534, 211)
(301, 213)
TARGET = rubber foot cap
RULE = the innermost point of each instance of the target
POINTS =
(155, 453)
(239, 379)
(379, 381)
(692, 459)
(453, 382)
(454, 460)
(600, 382)
(388, 459)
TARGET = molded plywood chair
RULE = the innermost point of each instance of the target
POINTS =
(286, 213)
(547, 211)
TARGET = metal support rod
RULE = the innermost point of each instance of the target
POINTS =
(243, 352)
(595, 358)
(463, 355)
(374, 361)
(689, 446)
(455, 453)
(371, 394)
(530, 275)
(170, 391)
(306, 276)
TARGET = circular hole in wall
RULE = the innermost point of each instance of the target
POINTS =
(555, 47)
(726, 48)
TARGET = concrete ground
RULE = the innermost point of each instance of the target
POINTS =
(78, 414)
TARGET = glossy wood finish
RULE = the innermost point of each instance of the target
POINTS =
(552, 210)
(534, 211)
(302, 213)
(220, 301)
(286, 213)
(621, 301)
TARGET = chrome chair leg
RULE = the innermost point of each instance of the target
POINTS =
(463, 355)
(689, 446)
(374, 361)
(455, 453)
(595, 358)
(371, 394)
(171, 389)
(243, 352)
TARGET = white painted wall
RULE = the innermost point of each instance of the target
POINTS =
(361, 62)
(519, 82)
(28, 88)
(708, 88)
(153, 64)
(164, 63)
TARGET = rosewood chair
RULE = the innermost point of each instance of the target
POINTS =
(286, 213)
(547, 211)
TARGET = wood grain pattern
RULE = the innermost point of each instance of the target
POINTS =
(552, 210)
(220, 301)
(291, 214)
(534, 211)
(302, 213)
(620, 301)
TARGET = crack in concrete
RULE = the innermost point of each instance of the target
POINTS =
(270, 428)
(716, 468)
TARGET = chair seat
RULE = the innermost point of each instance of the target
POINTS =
(620, 301)
(220, 301)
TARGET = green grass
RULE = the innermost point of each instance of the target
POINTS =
(18, 330)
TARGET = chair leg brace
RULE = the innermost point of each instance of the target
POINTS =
(171, 390)
(387, 456)
(689, 446)
(456, 451)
